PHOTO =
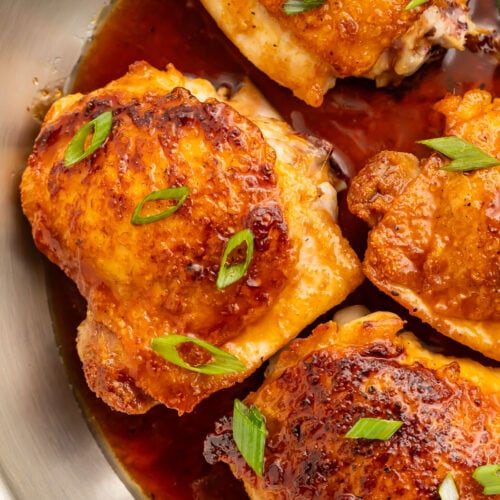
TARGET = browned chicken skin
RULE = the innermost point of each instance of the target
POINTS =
(435, 244)
(323, 384)
(351, 36)
(146, 281)
(308, 51)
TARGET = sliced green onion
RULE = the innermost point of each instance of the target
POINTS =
(223, 363)
(230, 274)
(465, 155)
(415, 3)
(101, 126)
(488, 476)
(291, 7)
(175, 193)
(249, 433)
(448, 488)
(374, 428)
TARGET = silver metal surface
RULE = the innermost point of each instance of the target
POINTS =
(46, 448)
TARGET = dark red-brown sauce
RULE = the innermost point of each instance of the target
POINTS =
(161, 451)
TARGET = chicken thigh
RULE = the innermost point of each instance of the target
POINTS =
(435, 242)
(244, 170)
(308, 51)
(322, 385)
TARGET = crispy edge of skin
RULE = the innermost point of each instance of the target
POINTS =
(379, 183)
(384, 325)
(110, 380)
(478, 335)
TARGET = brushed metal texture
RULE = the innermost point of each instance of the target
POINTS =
(46, 448)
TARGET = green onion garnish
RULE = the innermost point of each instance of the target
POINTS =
(101, 126)
(448, 488)
(488, 476)
(291, 7)
(465, 156)
(230, 274)
(223, 363)
(175, 193)
(415, 3)
(249, 433)
(374, 428)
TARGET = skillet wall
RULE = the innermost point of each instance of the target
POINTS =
(46, 448)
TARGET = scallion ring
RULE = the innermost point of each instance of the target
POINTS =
(174, 193)
(291, 7)
(224, 362)
(488, 476)
(374, 428)
(249, 433)
(464, 155)
(230, 274)
(415, 3)
(100, 126)
(448, 488)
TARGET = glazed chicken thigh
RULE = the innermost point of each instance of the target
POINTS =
(244, 170)
(435, 245)
(322, 385)
(308, 51)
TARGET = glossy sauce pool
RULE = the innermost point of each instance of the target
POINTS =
(162, 452)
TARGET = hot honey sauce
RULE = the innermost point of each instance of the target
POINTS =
(162, 452)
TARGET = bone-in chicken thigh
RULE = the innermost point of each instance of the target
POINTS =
(321, 386)
(308, 51)
(245, 170)
(435, 242)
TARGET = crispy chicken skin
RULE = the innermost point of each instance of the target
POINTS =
(245, 168)
(323, 384)
(307, 52)
(435, 245)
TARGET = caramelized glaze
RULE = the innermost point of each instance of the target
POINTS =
(322, 385)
